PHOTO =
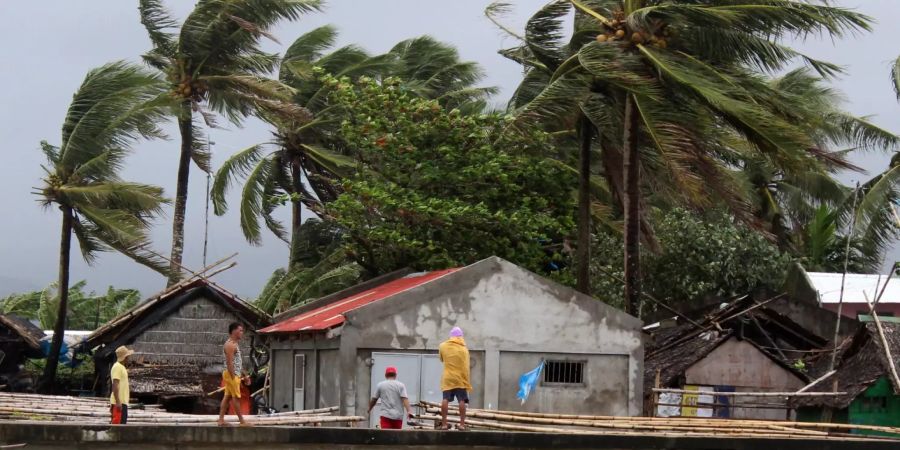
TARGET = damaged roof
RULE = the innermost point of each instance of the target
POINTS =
(30, 333)
(861, 363)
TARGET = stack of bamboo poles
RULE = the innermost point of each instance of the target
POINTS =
(656, 426)
(96, 411)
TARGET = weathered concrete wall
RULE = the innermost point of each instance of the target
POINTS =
(501, 307)
(605, 391)
(329, 388)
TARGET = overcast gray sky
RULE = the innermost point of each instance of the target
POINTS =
(47, 46)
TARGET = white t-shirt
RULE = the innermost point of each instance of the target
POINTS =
(391, 394)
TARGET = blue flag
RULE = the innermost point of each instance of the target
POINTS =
(528, 381)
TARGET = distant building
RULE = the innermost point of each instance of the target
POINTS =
(177, 336)
(859, 289)
(334, 350)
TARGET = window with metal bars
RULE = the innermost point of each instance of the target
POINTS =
(564, 372)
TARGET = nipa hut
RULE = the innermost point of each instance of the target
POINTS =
(738, 347)
(19, 339)
(177, 336)
(864, 374)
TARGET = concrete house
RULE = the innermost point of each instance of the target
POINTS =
(177, 336)
(334, 350)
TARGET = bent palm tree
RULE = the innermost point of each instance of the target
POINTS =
(215, 61)
(116, 105)
(683, 79)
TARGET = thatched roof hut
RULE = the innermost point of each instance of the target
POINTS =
(19, 338)
(177, 336)
(861, 364)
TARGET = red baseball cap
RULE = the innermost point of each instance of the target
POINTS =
(391, 370)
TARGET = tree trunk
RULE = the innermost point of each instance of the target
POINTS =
(48, 380)
(186, 129)
(632, 202)
(583, 251)
(296, 210)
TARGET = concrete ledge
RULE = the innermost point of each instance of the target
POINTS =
(41, 436)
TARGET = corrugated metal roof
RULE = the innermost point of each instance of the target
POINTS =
(332, 315)
(857, 288)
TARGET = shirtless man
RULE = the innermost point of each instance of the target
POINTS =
(233, 374)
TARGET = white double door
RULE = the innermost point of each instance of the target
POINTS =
(421, 373)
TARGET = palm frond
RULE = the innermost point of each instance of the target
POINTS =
(130, 197)
(495, 12)
(115, 105)
(157, 20)
(234, 168)
(895, 77)
(333, 162)
(253, 199)
(544, 32)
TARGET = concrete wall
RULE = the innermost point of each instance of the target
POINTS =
(604, 392)
(741, 365)
(501, 308)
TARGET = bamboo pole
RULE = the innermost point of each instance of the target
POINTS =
(752, 394)
(815, 382)
(744, 422)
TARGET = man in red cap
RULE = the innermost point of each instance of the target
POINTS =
(394, 401)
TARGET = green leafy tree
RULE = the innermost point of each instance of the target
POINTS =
(701, 256)
(213, 60)
(309, 158)
(440, 188)
(116, 105)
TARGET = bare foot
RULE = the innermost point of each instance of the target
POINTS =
(222, 423)
(246, 424)
(462, 427)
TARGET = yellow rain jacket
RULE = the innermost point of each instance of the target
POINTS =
(455, 356)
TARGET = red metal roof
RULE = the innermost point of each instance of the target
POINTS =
(332, 315)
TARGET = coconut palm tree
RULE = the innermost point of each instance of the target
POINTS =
(116, 105)
(683, 78)
(214, 61)
(308, 157)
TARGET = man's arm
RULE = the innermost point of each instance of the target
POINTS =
(229, 357)
(372, 403)
(408, 408)
(115, 389)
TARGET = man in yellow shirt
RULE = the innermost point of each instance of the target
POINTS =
(121, 393)
(455, 379)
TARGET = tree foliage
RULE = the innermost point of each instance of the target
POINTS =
(86, 310)
(439, 188)
(701, 256)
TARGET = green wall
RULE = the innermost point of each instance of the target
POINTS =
(876, 406)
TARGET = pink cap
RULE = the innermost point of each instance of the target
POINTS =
(456, 332)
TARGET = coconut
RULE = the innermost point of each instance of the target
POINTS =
(637, 38)
(661, 43)
(620, 34)
(602, 38)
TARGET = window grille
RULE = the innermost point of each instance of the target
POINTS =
(564, 372)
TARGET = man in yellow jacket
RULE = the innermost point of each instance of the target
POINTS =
(455, 380)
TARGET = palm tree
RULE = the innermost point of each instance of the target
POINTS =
(683, 80)
(309, 157)
(215, 61)
(116, 105)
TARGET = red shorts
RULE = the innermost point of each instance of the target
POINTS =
(391, 424)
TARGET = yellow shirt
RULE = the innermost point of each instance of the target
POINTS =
(455, 356)
(119, 372)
